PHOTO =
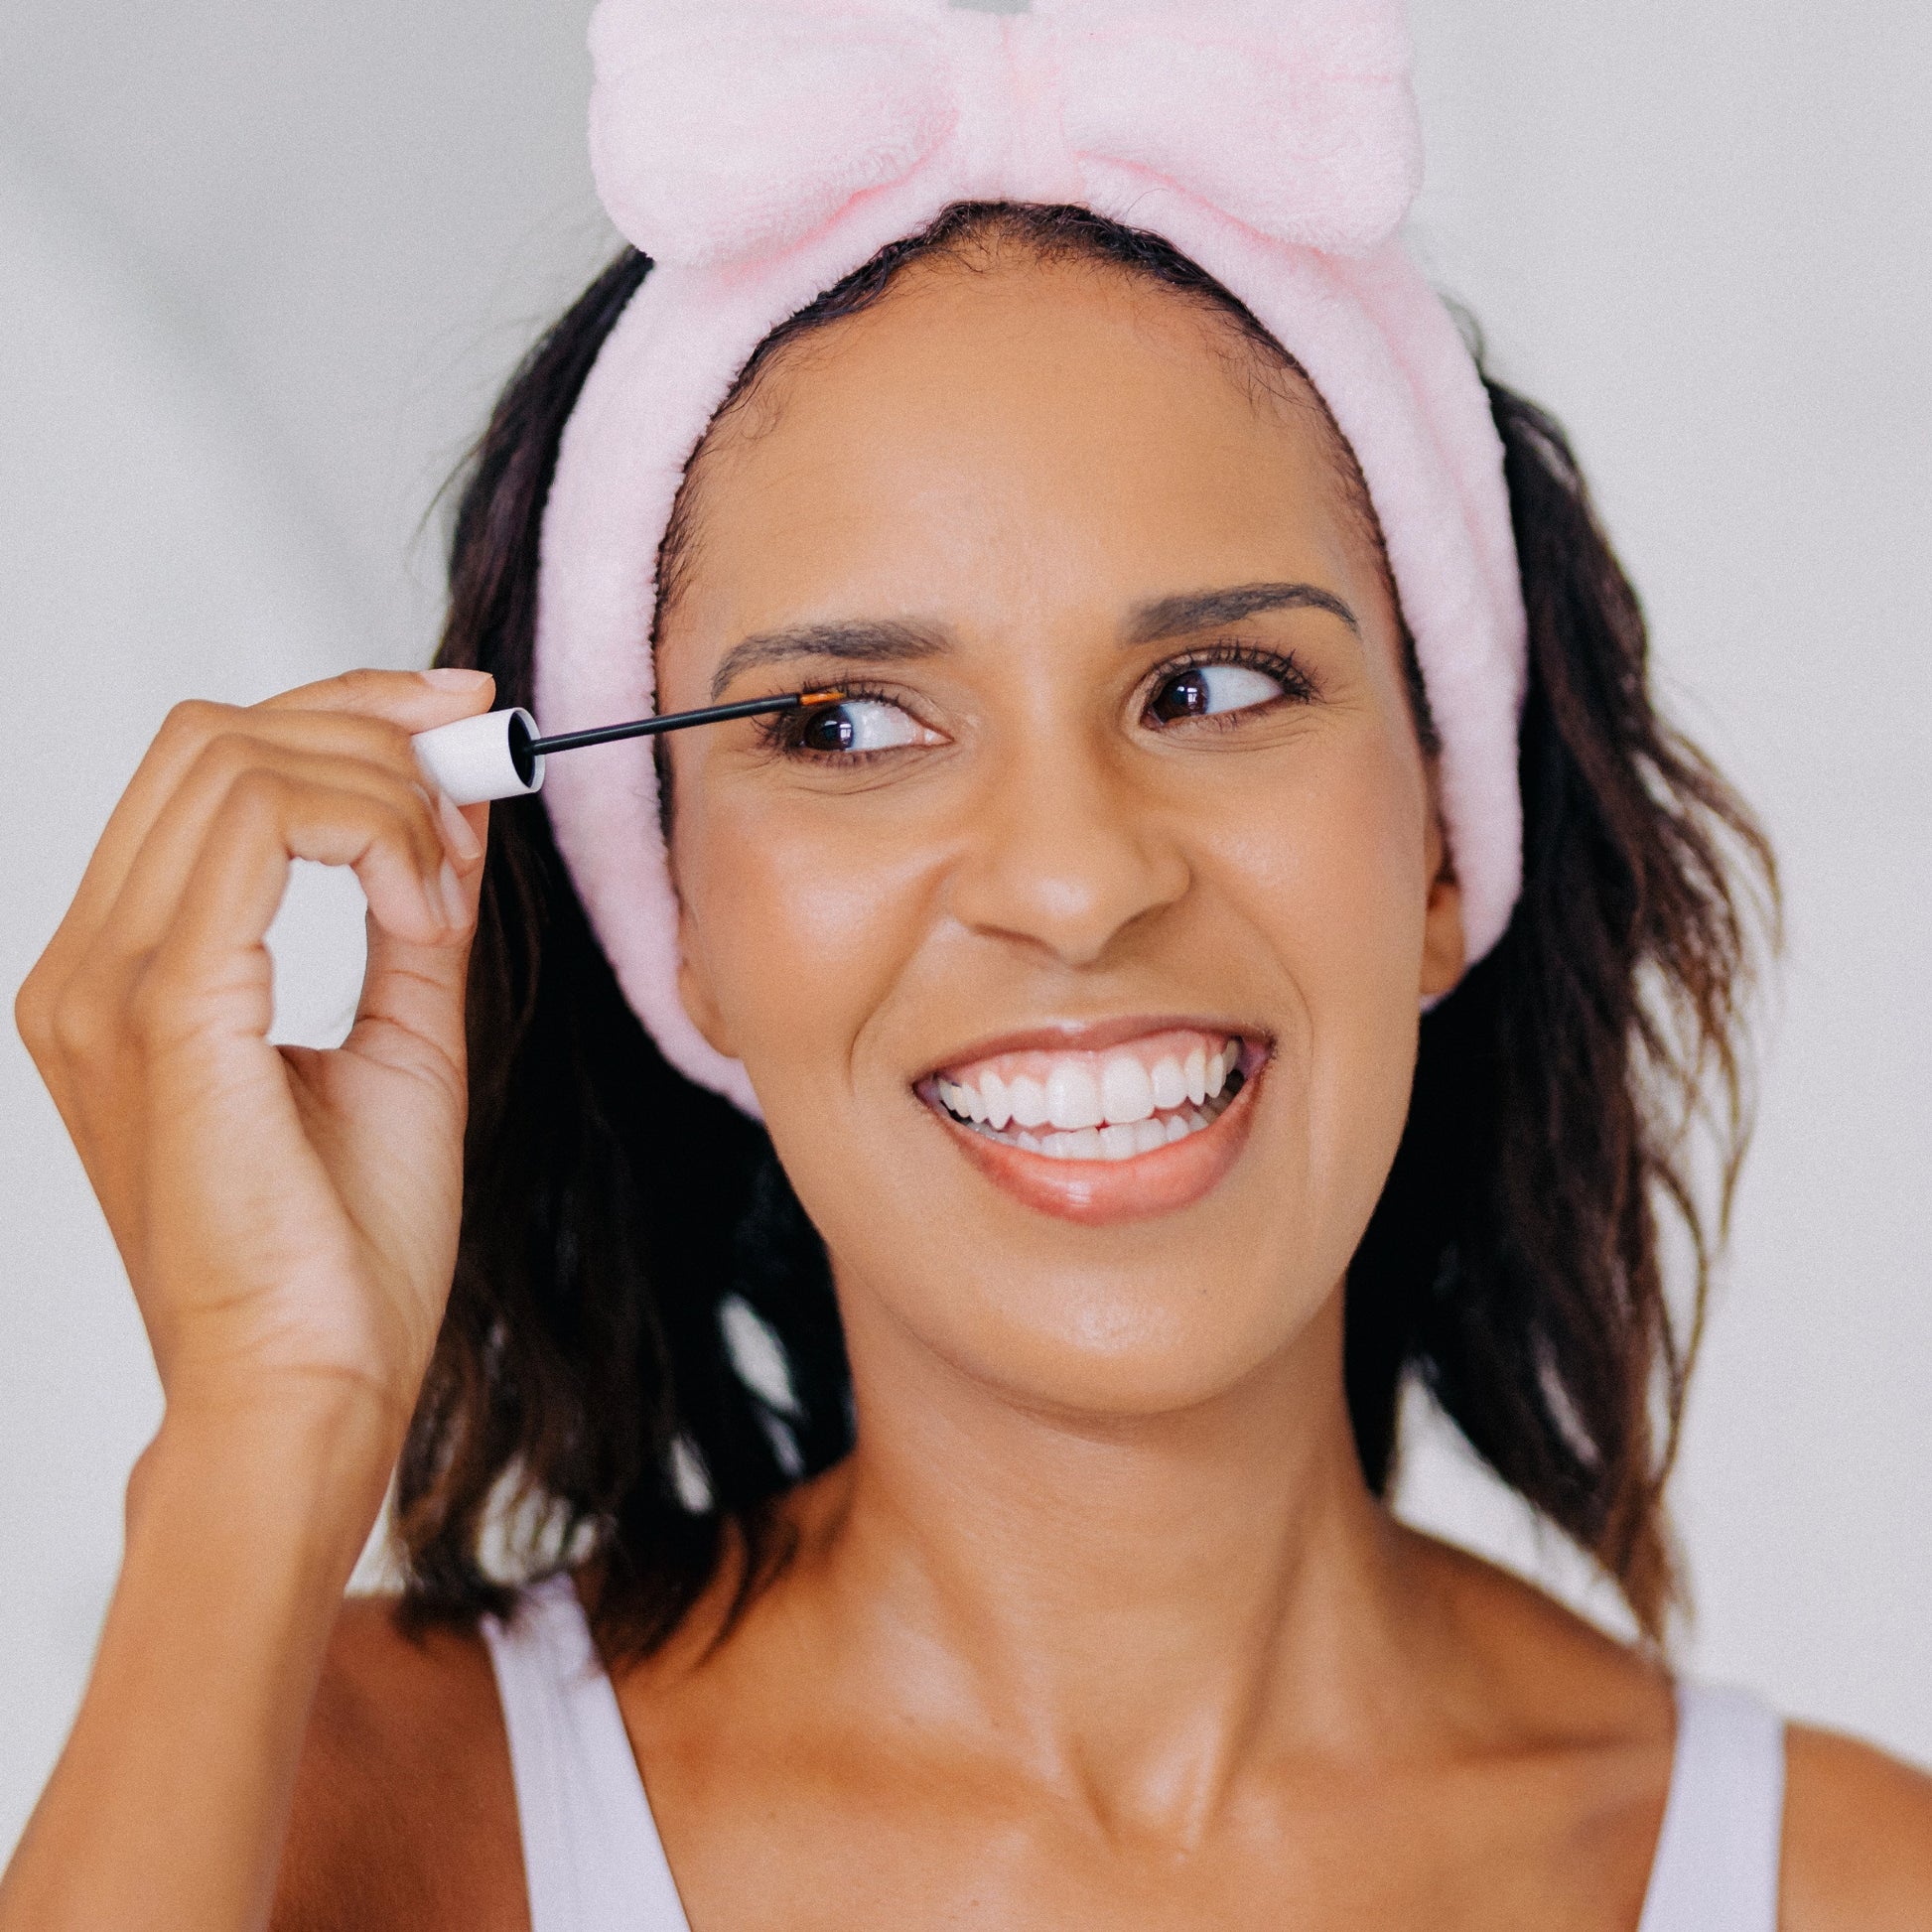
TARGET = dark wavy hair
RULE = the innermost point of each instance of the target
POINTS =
(623, 1228)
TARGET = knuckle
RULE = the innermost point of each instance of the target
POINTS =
(227, 757)
(366, 686)
(34, 1012)
(192, 719)
(153, 1002)
(253, 790)
(78, 1023)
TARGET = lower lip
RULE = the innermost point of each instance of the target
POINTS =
(1098, 1193)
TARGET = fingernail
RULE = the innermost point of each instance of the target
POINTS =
(456, 831)
(453, 896)
(453, 677)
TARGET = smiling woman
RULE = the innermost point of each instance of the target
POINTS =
(955, 1175)
(1007, 365)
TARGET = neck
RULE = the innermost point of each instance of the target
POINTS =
(1144, 1605)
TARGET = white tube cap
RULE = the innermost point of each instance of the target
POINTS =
(481, 757)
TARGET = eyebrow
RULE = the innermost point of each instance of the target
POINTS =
(861, 643)
(1181, 617)
(889, 641)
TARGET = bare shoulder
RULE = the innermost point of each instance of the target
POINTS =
(1858, 1837)
(1546, 1672)
(405, 1813)
(1858, 1824)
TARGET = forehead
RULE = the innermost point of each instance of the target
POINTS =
(990, 438)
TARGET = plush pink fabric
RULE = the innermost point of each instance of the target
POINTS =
(760, 150)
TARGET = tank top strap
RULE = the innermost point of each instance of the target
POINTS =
(592, 1861)
(1716, 1862)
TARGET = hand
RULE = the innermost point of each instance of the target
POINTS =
(288, 1218)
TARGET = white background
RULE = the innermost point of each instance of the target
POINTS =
(261, 268)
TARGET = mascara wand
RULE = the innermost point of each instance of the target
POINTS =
(498, 754)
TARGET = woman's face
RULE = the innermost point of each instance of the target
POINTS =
(1076, 958)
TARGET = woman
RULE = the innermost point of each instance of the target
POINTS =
(956, 1177)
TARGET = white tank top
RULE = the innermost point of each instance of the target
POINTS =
(595, 1864)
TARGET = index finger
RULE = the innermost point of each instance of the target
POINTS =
(414, 700)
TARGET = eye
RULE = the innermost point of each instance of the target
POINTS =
(858, 725)
(1205, 690)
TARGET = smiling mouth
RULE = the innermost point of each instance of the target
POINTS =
(1112, 1106)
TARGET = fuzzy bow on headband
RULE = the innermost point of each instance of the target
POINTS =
(760, 150)
(729, 130)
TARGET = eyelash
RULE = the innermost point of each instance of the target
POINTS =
(784, 731)
(1297, 686)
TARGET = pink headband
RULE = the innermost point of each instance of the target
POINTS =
(760, 150)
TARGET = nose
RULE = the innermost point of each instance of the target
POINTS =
(1068, 853)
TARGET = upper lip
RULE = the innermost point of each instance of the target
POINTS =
(1089, 1036)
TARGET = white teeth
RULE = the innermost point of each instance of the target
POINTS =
(1117, 1141)
(1126, 1092)
(1028, 1099)
(962, 1100)
(1170, 1084)
(1074, 1097)
(1113, 1113)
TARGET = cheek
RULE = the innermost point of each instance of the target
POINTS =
(1337, 872)
(800, 931)
(1323, 867)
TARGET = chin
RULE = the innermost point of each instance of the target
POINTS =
(1101, 1344)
